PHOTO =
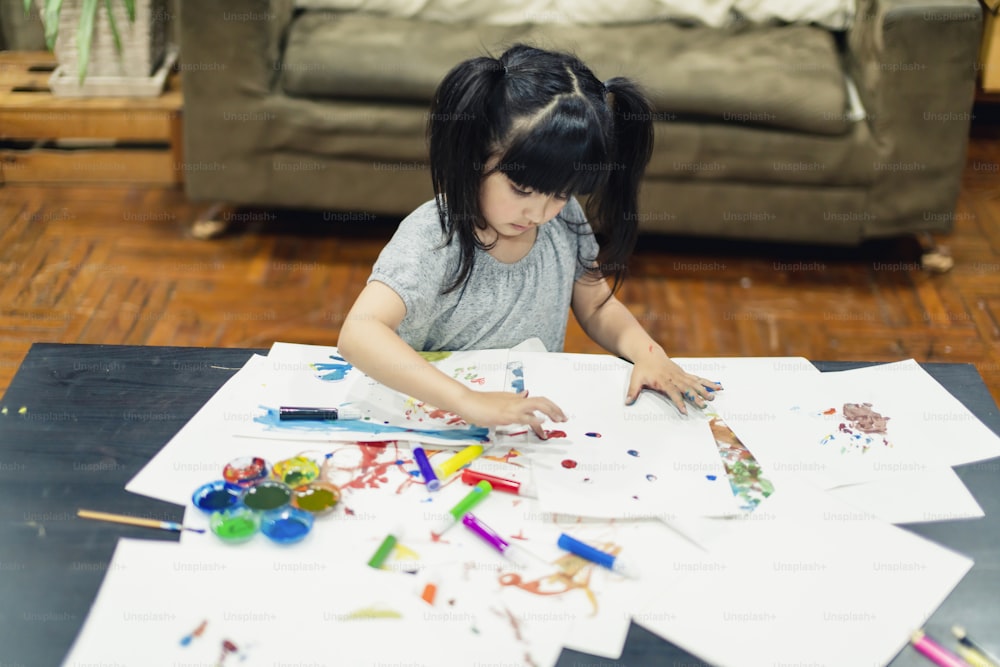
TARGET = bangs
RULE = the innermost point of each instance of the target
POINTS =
(563, 151)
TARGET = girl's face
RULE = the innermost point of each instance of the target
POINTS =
(511, 210)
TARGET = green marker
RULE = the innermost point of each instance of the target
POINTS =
(383, 551)
(474, 497)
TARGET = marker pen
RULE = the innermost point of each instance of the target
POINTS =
(965, 641)
(471, 477)
(934, 652)
(383, 551)
(456, 461)
(473, 498)
(594, 555)
(290, 413)
(492, 538)
(430, 479)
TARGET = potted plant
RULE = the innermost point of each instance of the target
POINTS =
(111, 47)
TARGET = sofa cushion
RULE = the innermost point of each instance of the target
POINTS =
(778, 76)
(390, 138)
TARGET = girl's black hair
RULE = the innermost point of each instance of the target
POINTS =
(556, 130)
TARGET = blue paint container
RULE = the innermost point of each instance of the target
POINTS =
(287, 525)
(216, 496)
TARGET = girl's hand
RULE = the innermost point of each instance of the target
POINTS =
(501, 408)
(660, 373)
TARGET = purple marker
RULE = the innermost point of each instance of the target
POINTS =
(491, 537)
(430, 479)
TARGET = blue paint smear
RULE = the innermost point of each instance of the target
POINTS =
(710, 478)
(516, 369)
(269, 418)
(332, 372)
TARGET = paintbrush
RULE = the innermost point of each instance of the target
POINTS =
(135, 521)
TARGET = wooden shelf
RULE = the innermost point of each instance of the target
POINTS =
(115, 140)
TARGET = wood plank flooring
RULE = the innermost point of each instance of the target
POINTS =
(117, 265)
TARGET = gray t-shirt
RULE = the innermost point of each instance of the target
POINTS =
(501, 304)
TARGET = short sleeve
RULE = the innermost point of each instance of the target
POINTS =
(586, 242)
(413, 263)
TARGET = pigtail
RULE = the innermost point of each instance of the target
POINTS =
(615, 207)
(458, 132)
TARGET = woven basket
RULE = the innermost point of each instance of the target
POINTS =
(144, 41)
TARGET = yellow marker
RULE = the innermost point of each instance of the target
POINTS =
(973, 657)
(462, 458)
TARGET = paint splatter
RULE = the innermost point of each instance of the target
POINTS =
(434, 356)
(469, 375)
(554, 434)
(573, 573)
(633, 452)
(372, 612)
(742, 469)
(228, 648)
(710, 478)
(651, 477)
(592, 434)
(506, 458)
(863, 428)
(332, 371)
(515, 370)
(194, 634)
(569, 464)
(830, 411)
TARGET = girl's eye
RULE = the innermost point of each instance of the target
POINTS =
(523, 193)
(562, 197)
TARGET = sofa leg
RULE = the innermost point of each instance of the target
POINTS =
(934, 258)
(212, 223)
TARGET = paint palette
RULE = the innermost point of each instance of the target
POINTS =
(216, 496)
(280, 501)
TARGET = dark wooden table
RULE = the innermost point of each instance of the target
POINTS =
(93, 415)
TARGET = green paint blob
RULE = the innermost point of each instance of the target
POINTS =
(235, 525)
(267, 496)
(434, 356)
(316, 498)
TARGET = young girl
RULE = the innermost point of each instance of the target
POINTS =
(504, 250)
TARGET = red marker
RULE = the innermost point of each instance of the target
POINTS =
(473, 477)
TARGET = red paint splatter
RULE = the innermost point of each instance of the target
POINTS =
(370, 473)
(569, 463)
(830, 411)
(554, 434)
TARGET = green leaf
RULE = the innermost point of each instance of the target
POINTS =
(85, 35)
(130, 7)
(50, 20)
(114, 27)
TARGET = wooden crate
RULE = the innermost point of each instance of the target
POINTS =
(114, 140)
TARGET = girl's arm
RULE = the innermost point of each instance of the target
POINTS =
(610, 324)
(368, 340)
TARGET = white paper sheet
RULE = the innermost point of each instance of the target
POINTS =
(912, 425)
(803, 580)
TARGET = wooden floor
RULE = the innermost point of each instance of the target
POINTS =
(117, 265)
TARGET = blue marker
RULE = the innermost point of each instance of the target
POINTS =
(433, 483)
(603, 558)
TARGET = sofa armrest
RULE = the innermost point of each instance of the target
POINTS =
(232, 46)
(230, 60)
(914, 63)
